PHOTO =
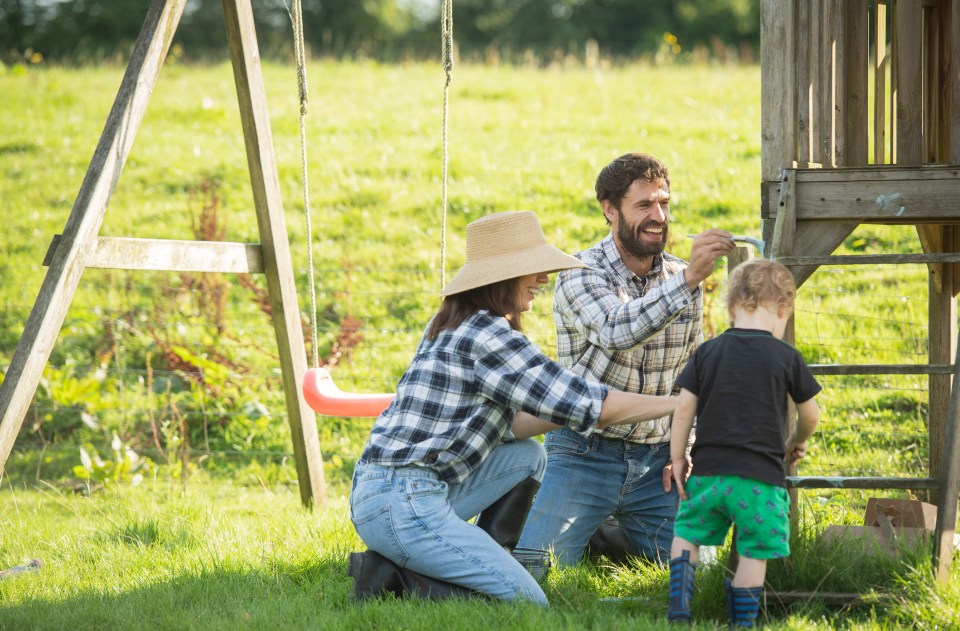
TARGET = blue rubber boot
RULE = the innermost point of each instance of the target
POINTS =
(744, 605)
(681, 588)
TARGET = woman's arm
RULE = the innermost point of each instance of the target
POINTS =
(619, 408)
(626, 408)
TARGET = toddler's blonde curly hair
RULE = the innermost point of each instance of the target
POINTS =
(761, 282)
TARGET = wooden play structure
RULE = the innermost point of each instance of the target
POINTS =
(861, 124)
(80, 247)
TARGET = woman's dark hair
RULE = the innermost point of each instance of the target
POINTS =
(501, 298)
(616, 177)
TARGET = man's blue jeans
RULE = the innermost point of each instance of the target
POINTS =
(591, 478)
(419, 522)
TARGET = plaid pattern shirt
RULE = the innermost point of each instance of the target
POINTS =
(633, 334)
(456, 401)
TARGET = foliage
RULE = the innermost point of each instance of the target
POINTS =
(126, 467)
(82, 31)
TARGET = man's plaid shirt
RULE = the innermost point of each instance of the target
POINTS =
(633, 334)
(456, 401)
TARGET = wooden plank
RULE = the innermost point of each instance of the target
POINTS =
(245, 55)
(876, 194)
(883, 369)
(870, 259)
(170, 255)
(86, 217)
(819, 80)
(855, 144)
(778, 102)
(947, 504)
(931, 95)
(909, 62)
(881, 65)
(805, 83)
(837, 482)
(785, 228)
(953, 70)
(831, 60)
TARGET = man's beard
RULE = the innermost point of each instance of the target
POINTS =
(631, 242)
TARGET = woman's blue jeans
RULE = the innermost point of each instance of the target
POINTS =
(419, 522)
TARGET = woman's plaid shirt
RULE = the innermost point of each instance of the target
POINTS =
(456, 401)
(633, 334)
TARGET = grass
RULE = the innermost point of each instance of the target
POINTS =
(231, 547)
(223, 555)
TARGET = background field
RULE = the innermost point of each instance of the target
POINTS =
(183, 369)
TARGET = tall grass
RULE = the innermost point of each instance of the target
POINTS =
(204, 552)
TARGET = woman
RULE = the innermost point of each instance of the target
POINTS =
(456, 439)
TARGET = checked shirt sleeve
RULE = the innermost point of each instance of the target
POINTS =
(512, 371)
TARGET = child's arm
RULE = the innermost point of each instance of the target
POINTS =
(679, 436)
(808, 415)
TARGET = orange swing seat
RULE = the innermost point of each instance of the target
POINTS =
(323, 395)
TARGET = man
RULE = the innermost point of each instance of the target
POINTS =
(630, 319)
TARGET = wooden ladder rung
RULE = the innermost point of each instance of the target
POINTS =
(840, 482)
(870, 259)
(882, 369)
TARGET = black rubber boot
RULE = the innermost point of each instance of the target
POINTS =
(744, 605)
(681, 588)
(504, 519)
(374, 575)
(611, 541)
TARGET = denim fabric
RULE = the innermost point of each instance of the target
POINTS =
(590, 478)
(419, 522)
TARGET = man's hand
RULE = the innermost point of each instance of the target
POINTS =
(707, 248)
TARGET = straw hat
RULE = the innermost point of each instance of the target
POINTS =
(506, 245)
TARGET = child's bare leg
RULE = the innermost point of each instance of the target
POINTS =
(750, 572)
(680, 544)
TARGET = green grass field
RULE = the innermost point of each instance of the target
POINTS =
(216, 536)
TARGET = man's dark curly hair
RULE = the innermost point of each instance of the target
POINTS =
(616, 177)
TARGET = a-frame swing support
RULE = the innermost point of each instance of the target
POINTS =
(80, 246)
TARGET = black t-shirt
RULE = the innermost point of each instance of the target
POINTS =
(742, 379)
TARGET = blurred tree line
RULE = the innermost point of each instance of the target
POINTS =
(85, 31)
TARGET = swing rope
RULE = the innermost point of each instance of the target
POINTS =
(446, 28)
(318, 388)
(298, 49)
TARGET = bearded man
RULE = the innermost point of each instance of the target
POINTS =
(630, 319)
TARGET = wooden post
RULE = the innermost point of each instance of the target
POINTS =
(68, 261)
(242, 38)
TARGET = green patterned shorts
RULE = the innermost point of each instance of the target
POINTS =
(760, 511)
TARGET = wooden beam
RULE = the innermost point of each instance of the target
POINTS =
(947, 501)
(837, 482)
(870, 259)
(261, 161)
(818, 238)
(888, 195)
(169, 255)
(86, 217)
(882, 369)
